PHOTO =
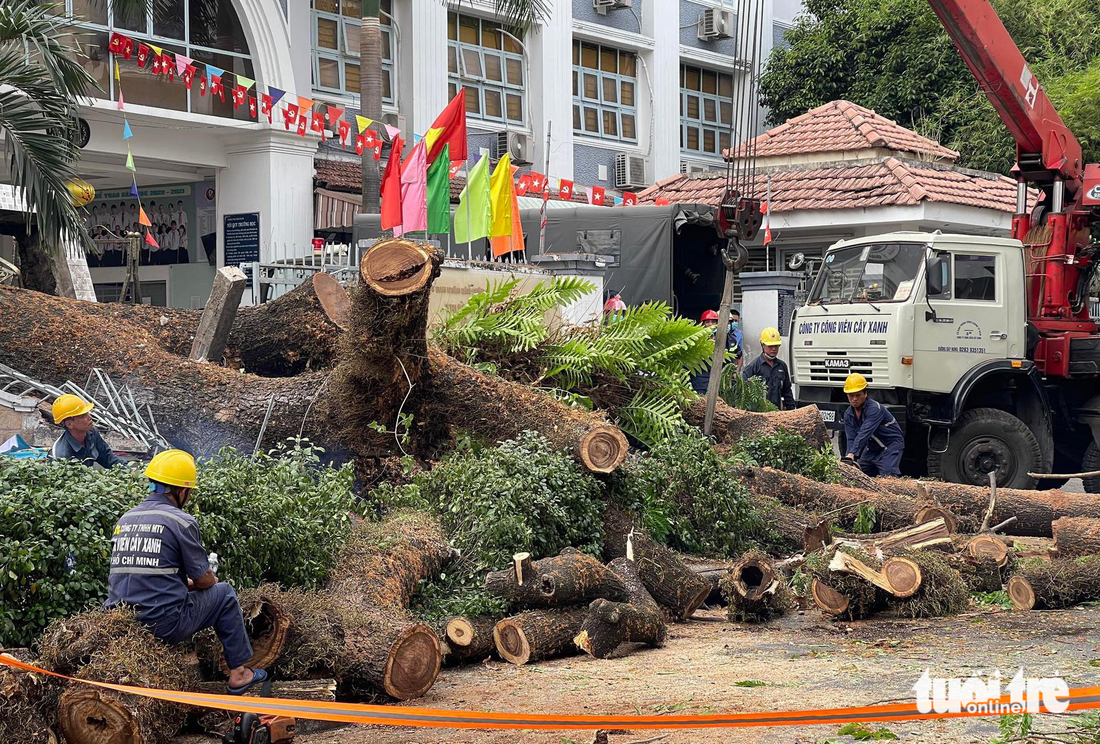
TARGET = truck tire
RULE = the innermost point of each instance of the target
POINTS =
(1089, 463)
(984, 440)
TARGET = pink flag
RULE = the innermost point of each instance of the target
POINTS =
(414, 190)
(182, 63)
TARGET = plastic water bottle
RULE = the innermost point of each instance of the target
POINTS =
(212, 559)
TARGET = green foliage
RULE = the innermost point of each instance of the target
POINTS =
(518, 496)
(275, 518)
(893, 56)
(992, 599)
(278, 517)
(863, 732)
(864, 523)
(787, 450)
(56, 519)
(686, 497)
(1013, 728)
(750, 683)
(748, 395)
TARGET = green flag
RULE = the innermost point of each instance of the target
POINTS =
(473, 214)
(439, 193)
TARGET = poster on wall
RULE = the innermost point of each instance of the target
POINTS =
(242, 241)
(206, 219)
(171, 213)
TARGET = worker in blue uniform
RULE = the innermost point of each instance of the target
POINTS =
(80, 440)
(874, 439)
(160, 568)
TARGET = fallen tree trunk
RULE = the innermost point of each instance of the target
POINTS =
(469, 639)
(609, 623)
(667, 578)
(571, 578)
(1055, 584)
(538, 634)
(981, 574)
(921, 536)
(891, 512)
(755, 590)
(794, 529)
(1075, 536)
(733, 424)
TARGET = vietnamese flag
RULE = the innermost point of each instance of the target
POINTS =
(391, 187)
(523, 184)
(597, 194)
(189, 75)
(449, 128)
(360, 144)
(565, 190)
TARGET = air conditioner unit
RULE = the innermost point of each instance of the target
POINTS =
(517, 145)
(394, 120)
(691, 169)
(630, 171)
(716, 24)
(602, 6)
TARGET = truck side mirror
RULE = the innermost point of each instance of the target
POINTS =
(934, 272)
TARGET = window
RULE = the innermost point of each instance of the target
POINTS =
(487, 61)
(975, 278)
(706, 110)
(336, 26)
(205, 30)
(604, 86)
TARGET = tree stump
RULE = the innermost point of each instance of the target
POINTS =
(538, 634)
(756, 592)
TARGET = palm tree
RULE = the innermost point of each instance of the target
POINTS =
(520, 15)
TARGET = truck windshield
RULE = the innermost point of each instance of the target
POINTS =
(881, 272)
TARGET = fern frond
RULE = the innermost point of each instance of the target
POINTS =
(652, 418)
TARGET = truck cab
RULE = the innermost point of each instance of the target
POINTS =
(937, 324)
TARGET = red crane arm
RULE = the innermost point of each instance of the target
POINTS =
(1023, 105)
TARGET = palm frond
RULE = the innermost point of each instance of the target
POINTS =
(521, 15)
(652, 417)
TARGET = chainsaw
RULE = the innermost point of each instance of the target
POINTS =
(250, 728)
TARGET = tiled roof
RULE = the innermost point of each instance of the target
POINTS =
(841, 126)
(886, 182)
(347, 175)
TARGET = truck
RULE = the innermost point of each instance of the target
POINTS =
(984, 349)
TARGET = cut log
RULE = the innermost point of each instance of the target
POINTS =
(755, 590)
(828, 600)
(217, 722)
(891, 512)
(571, 578)
(470, 639)
(217, 318)
(941, 590)
(1075, 536)
(538, 634)
(667, 578)
(794, 529)
(981, 574)
(899, 577)
(28, 704)
(988, 546)
(1055, 584)
(388, 653)
(932, 512)
(609, 624)
(732, 424)
(920, 536)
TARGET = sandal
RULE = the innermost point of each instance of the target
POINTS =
(259, 676)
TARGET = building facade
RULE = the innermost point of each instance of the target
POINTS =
(593, 88)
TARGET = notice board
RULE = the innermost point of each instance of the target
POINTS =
(242, 241)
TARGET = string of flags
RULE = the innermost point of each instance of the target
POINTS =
(127, 135)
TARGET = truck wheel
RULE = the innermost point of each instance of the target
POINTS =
(1089, 463)
(987, 440)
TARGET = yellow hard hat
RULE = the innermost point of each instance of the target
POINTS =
(770, 337)
(173, 468)
(855, 383)
(68, 405)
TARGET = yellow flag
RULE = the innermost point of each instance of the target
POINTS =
(157, 49)
(118, 74)
(500, 199)
(363, 122)
(432, 136)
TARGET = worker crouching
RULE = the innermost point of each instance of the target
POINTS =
(159, 566)
(875, 441)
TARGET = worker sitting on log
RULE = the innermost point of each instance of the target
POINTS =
(159, 567)
(773, 370)
(875, 441)
(80, 441)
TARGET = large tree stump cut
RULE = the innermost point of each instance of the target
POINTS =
(731, 425)
(1074, 536)
(391, 654)
(497, 409)
(891, 512)
(1055, 584)
(669, 580)
(468, 639)
(538, 634)
(571, 578)
(610, 624)
(382, 564)
(756, 590)
(28, 704)
(1035, 511)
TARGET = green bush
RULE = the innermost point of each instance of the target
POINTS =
(518, 496)
(788, 451)
(276, 518)
(56, 520)
(686, 497)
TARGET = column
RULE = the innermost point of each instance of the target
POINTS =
(665, 73)
(424, 51)
(550, 90)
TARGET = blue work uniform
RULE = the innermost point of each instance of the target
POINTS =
(875, 439)
(701, 381)
(94, 450)
(156, 548)
(777, 380)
